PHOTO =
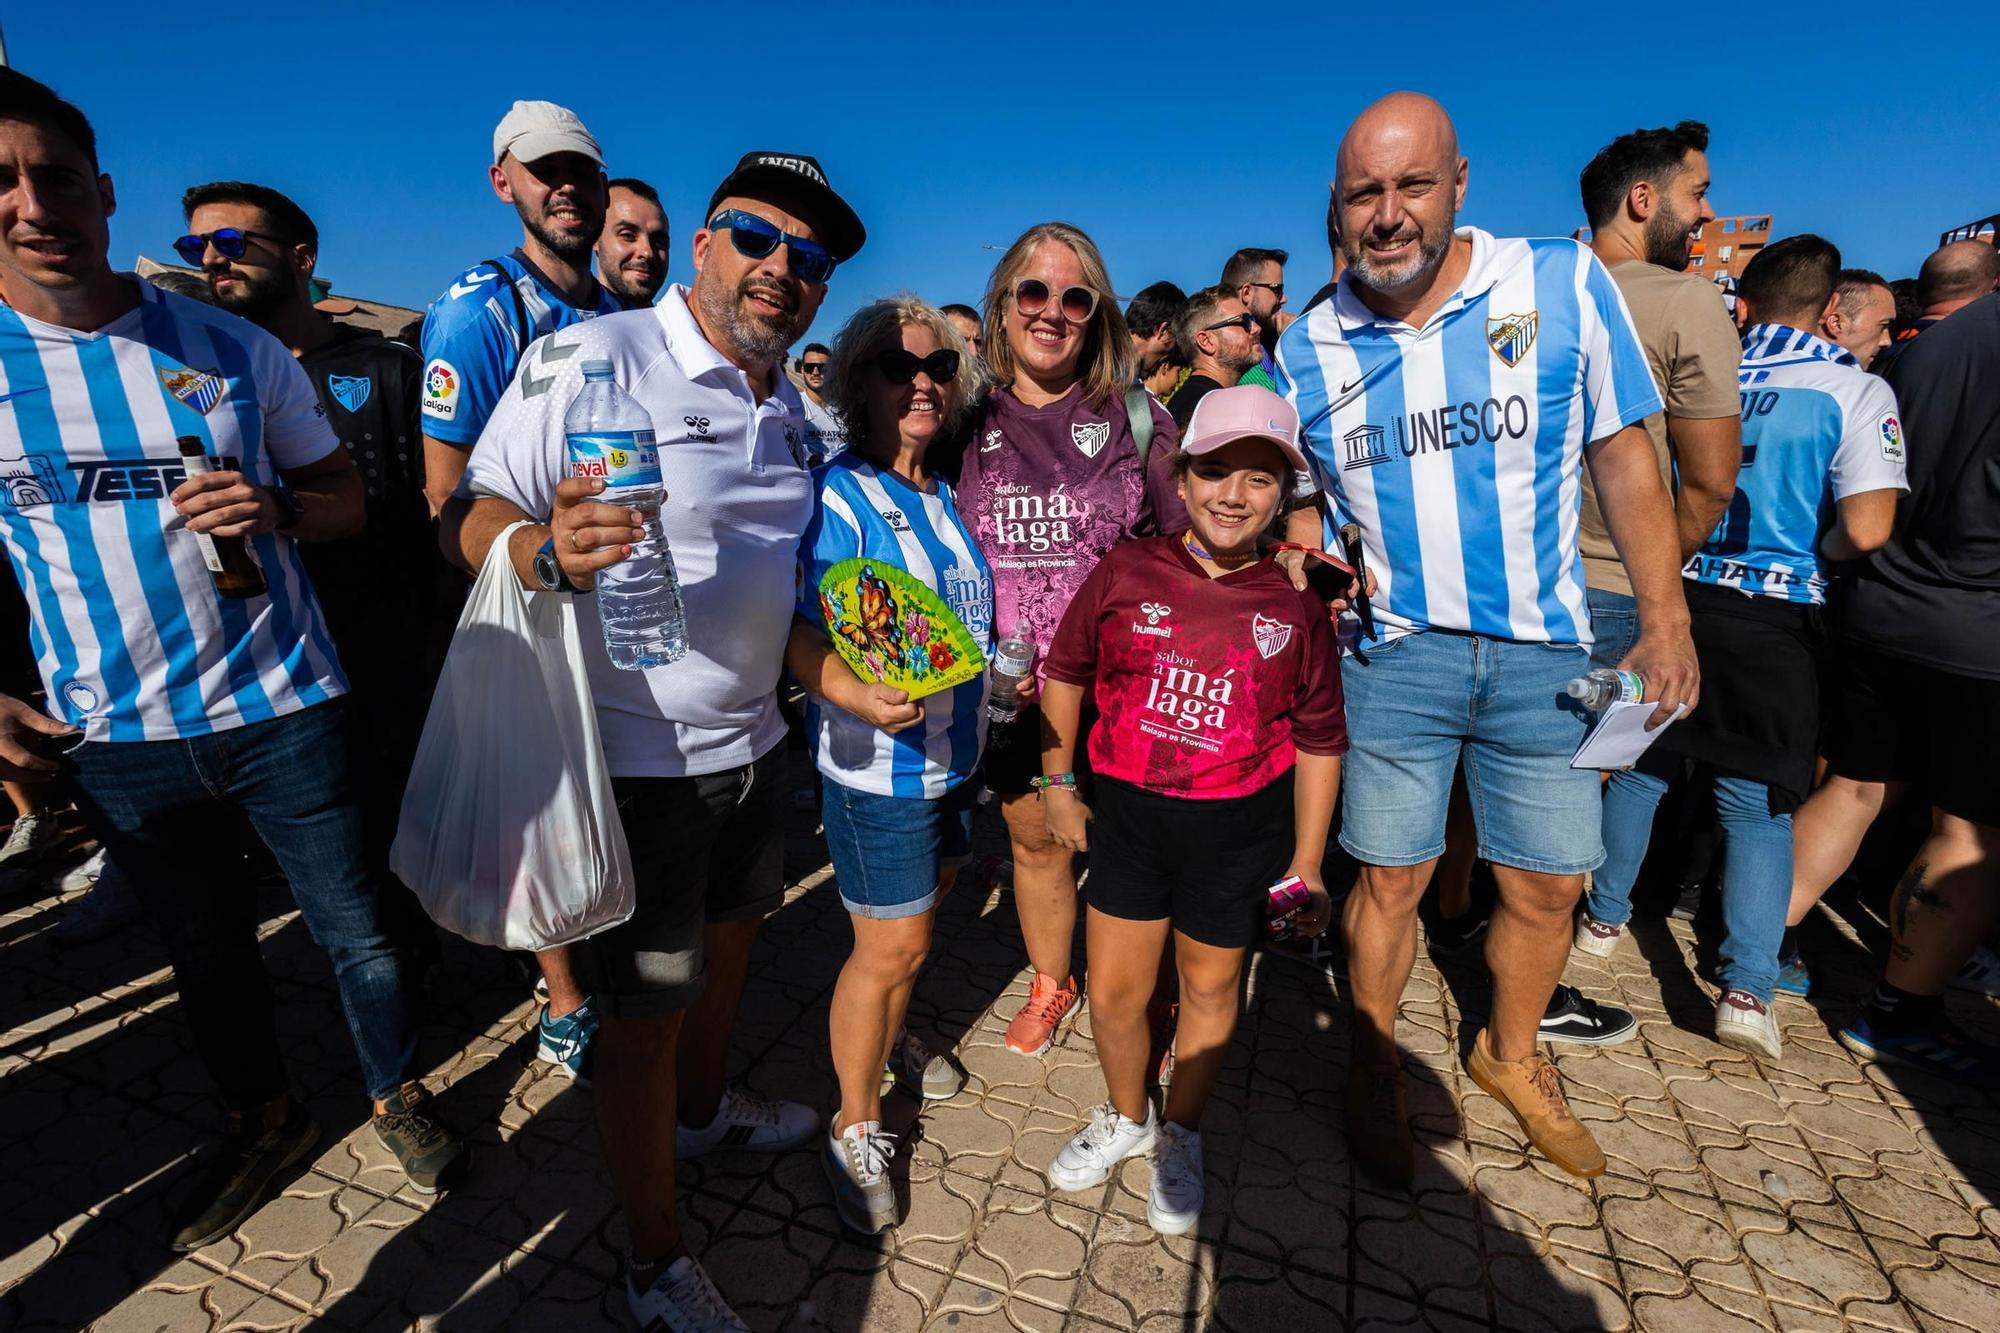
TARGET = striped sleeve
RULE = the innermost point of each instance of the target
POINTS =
(831, 537)
(1618, 386)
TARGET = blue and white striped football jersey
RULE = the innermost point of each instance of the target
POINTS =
(133, 642)
(868, 512)
(473, 341)
(1816, 428)
(1458, 447)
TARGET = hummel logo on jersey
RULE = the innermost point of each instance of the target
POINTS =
(1154, 613)
(1511, 336)
(470, 283)
(698, 430)
(350, 391)
(548, 356)
(992, 442)
(1091, 436)
(1271, 635)
(896, 521)
(198, 389)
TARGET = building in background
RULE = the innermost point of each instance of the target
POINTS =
(391, 321)
(1724, 247)
(1986, 229)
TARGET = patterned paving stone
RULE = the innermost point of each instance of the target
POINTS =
(1813, 1192)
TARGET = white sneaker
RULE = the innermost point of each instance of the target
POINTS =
(682, 1300)
(1981, 973)
(30, 840)
(1086, 1160)
(857, 1166)
(1594, 937)
(108, 905)
(748, 1122)
(83, 874)
(925, 1072)
(1744, 1022)
(1173, 1205)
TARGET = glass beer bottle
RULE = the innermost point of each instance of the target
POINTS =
(235, 570)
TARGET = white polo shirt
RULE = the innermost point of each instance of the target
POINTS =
(738, 500)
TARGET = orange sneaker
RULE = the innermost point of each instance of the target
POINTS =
(1050, 1004)
(1532, 1090)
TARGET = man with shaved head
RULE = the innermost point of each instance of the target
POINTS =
(1451, 391)
(1955, 275)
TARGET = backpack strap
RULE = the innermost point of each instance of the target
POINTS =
(1139, 414)
(524, 327)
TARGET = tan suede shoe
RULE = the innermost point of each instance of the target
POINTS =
(1378, 1124)
(1532, 1090)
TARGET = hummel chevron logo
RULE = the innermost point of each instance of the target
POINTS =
(549, 355)
(471, 285)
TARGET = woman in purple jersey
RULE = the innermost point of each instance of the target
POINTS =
(1054, 475)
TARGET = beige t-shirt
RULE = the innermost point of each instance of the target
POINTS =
(1693, 349)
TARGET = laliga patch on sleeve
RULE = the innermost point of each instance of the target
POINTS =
(441, 385)
(1892, 439)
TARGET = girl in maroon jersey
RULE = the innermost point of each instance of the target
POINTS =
(1217, 759)
(1050, 480)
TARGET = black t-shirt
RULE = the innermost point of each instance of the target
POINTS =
(1181, 405)
(1932, 594)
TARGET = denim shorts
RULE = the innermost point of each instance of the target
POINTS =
(1420, 705)
(887, 850)
(1614, 624)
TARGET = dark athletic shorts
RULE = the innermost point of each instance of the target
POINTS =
(707, 848)
(1892, 720)
(1204, 865)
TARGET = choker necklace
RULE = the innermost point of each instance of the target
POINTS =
(1200, 552)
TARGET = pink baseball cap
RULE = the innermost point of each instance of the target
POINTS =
(1245, 412)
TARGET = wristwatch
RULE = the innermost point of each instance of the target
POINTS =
(292, 509)
(548, 570)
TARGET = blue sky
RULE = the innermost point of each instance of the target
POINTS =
(1171, 135)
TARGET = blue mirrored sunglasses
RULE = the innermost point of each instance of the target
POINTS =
(754, 238)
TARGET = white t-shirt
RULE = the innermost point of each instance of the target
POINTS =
(133, 641)
(738, 499)
(826, 433)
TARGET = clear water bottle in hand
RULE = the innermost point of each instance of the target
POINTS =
(610, 437)
(1013, 659)
(1603, 687)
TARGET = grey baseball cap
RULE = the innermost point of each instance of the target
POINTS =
(535, 130)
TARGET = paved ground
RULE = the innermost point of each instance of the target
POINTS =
(1813, 1194)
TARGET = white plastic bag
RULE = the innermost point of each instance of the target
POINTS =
(509, 832)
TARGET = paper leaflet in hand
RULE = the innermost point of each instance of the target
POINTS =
(892, 629)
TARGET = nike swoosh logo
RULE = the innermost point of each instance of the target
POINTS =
(39, 388)
(1350, 388)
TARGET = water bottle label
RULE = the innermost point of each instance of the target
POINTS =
(1631, 687)
(620, 458)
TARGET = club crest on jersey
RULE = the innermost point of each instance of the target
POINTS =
(1511, 336)
(1271, 635)
(350, 391)
(198, 389)
(1091, 436)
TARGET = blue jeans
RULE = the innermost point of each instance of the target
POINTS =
(1614, 626)
(171, 814)
(887, 850)
(1756, 866)
(1420, 705)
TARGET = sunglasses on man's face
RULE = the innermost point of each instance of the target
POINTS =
(1245, 321)
(900, 366)
(812, 367)
(1031, 298)
(229, 242)
(754, 238)
(1276, 289)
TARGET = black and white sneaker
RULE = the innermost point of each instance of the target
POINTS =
(1576, 1018)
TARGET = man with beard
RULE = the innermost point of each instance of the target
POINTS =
(697, 747)
(547, 165)
(1150, 322)
(1451, 390)
(632, 252)
(257, 250)
(1645, 195)
(1219, 339)
(1257, 276)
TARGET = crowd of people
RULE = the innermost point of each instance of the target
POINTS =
(1281, 576)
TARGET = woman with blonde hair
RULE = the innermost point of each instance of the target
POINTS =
(895, 773)
(1067, 458)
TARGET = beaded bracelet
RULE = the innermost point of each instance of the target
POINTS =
(1054, 780)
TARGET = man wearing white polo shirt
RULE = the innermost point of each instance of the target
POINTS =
(1450, 392)
(695, 748)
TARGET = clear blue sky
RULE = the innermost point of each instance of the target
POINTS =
(1172, 133)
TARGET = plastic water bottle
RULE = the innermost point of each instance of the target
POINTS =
(638, 599)
(1604, 687)
(1013, 659)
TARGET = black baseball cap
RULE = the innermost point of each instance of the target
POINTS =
(795, 183)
